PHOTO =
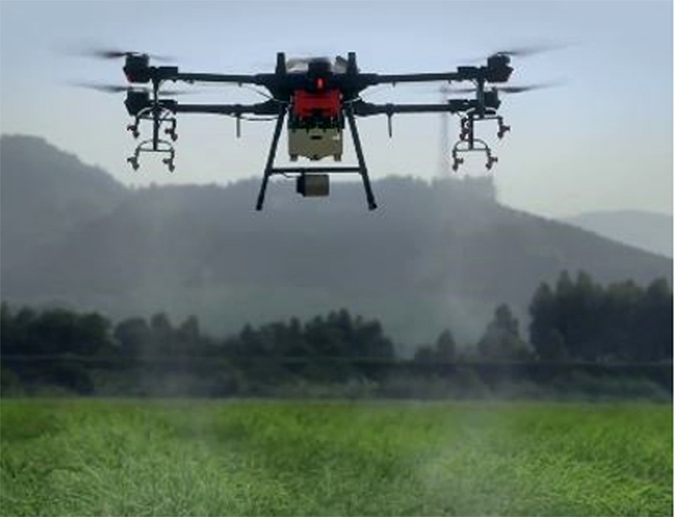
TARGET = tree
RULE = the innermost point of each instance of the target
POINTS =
(372, 342)
(542, 328)
(619, 321)
(189, 332)
(445, 347)
(501, 340)
(163, 337)
(425, 354)
(133, 335)
(8, 331)
(443, 351)
(553, 348)
(93, 335)
(654, 323)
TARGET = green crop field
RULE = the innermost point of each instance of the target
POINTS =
(113, 457)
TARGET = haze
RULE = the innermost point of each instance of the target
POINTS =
(602, 140)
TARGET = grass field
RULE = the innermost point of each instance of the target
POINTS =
(103, 457)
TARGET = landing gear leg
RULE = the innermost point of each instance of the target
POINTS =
(272, 155)
(363, 170)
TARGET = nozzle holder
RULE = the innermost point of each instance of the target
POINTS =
(467, 146)
(147, 146)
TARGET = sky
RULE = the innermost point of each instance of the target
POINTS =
(602, 139)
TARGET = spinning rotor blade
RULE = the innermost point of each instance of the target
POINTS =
(522, 51)
(115, 88)
(503, 89)
(110, 53)
(106, 88)
(527, 51)
(522, 89)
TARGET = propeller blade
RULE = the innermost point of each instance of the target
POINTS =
(529, 50)
(504, 89)
(530, 87)
(115, 88)
(112, 53)
(522, 89)
(106, 88)
(521, 51)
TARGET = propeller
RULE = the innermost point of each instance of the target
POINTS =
(111, 53)
(522, 51)
(530, 50)
(504, 89)
(115, 88)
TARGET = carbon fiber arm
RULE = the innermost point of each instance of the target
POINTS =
(263, 108)
(366, 109)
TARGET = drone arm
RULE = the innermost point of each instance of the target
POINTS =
(216, 78)
(262, 108)
(462, 74)
(365, 109)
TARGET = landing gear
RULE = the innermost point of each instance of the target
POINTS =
(361, 168)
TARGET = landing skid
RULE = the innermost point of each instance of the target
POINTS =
(361, 169)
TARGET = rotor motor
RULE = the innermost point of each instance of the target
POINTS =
(136, 101)
(498, 69)
(137, 68)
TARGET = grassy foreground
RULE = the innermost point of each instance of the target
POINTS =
(101, 457)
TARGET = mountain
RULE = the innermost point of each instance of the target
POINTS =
(433, 256)
(649, 231)
(44, 194)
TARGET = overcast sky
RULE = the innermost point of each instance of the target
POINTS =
(602, 140)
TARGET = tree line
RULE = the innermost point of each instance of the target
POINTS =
(576, 321)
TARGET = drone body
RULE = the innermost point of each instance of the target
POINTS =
(320, 100)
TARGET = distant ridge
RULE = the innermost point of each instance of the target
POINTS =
(433, 256)
(45, 193)
(649, 231)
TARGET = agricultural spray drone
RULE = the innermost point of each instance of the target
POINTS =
(318, 98)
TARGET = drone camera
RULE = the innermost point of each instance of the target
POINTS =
(137, 68)
(313, 185)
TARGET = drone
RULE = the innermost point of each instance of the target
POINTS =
(317, 98)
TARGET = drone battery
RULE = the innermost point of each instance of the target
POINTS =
(313, 185)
